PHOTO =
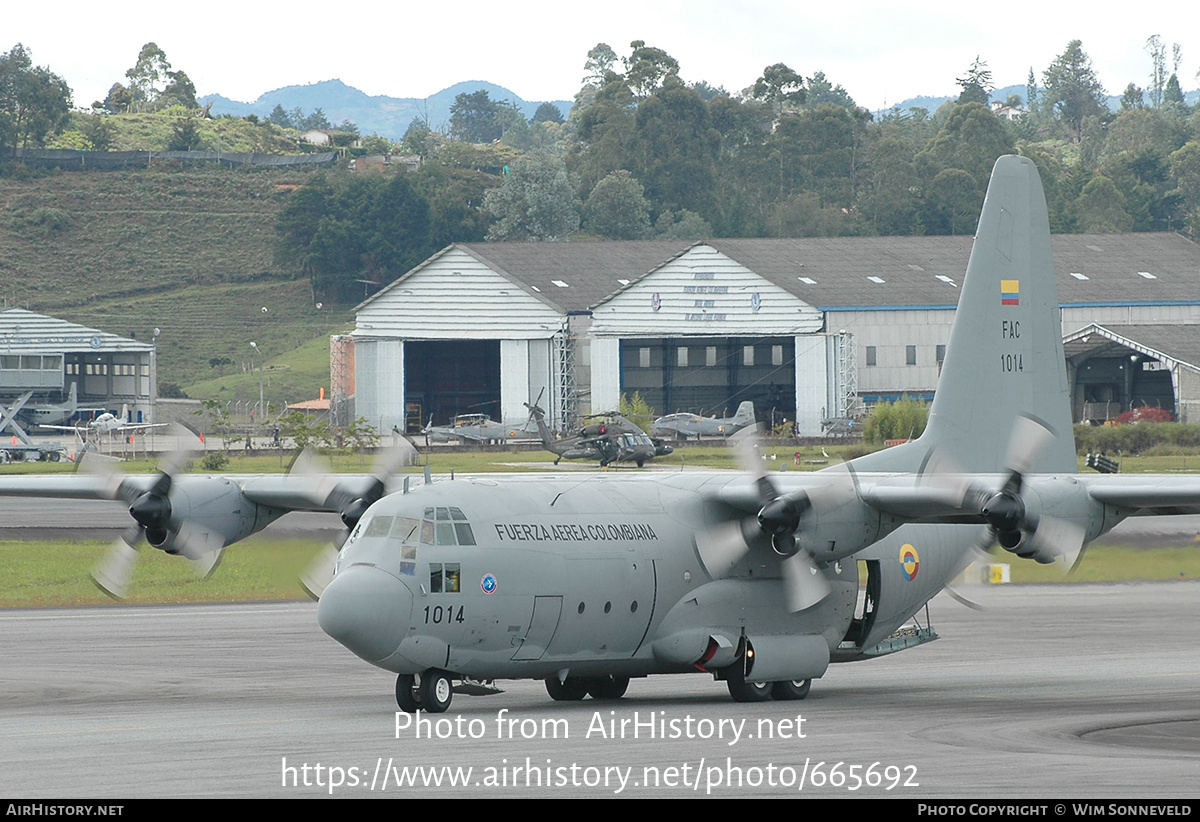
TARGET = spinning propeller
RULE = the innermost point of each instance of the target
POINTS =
(785, 518)
(351, 501)
(154, 521)
(1014, 515)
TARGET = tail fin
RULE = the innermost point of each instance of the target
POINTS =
(745, 412)
(1005, 357)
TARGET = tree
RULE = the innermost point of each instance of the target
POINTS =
(647, 68)
(1072, 90)
(971, 139)
(1132, 98)
(280, 117)
(339, 231)
(1158, 73)
(953, 202)
(34, 102)
(148, 77)
(536, 201)
(821, 91)
(476, 118)
(179, 92)
(184, 136)
(119, 99)
(673, 148)
(547, 113)
(617, 208)
(977, 84)
(780, 88)
(1101, 208)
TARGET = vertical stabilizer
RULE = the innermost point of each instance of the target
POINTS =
(1005, 357)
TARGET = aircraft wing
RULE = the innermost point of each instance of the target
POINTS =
(285, 492)
(1147, 494)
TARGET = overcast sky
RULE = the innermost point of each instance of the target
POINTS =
(881, 53)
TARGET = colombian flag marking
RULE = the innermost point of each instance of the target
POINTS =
(909, 561)
(1010, 292)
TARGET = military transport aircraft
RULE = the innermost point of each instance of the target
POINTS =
(684, 425)
(606, 438)
(750, 578)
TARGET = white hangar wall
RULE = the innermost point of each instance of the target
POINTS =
(456, 297)
(702, 297)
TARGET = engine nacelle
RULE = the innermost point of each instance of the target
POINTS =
(208, 513)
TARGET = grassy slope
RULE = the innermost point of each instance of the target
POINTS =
(189, 251)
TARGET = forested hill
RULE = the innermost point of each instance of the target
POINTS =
(386, 116)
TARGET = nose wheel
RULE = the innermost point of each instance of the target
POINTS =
(431, 693)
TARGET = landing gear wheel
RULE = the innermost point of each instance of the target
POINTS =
(608, 687)
(641, 463)
(436, 691)
(743, 691)
(791, 689)
(571, 689)
(406, 694)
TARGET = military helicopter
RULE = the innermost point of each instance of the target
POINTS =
(606, 438)
(751, 578)
(683, 424)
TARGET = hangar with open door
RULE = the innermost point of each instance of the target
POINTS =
(713, 375)
(445, 378)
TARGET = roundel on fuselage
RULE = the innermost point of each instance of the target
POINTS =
(909, 561)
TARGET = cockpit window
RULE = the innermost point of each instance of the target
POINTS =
(379, 527)
(446, 526)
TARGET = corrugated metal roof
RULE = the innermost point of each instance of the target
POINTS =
(25, 332)
(1175, 342)
(831, 272)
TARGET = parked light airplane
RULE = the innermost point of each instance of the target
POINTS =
(751, 578)
(684, 425)
(476, 428)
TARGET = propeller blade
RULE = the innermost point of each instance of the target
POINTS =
(1029, 438)
(319, 574)
(804, 585)
(195, 542)
(721, 547)
(114, 573)
(1058, 538)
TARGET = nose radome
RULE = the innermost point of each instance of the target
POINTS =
(367, 610)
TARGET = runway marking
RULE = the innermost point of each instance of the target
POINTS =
(131, 728)
(157, 610)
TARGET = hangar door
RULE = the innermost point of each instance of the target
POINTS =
(443, 378)
(713, 375)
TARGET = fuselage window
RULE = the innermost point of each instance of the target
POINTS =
(444, 577)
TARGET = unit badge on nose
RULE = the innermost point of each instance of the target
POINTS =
(488, 583)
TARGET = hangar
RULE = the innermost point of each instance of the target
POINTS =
(810, 329)
(44, 357)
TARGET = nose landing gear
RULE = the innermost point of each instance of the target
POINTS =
(430, 691)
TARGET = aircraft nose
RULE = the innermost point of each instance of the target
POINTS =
(367, 610)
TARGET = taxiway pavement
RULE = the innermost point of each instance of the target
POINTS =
(1055, 691)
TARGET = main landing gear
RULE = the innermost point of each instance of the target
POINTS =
(430, 691)
(574, 688)
(743, 691)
